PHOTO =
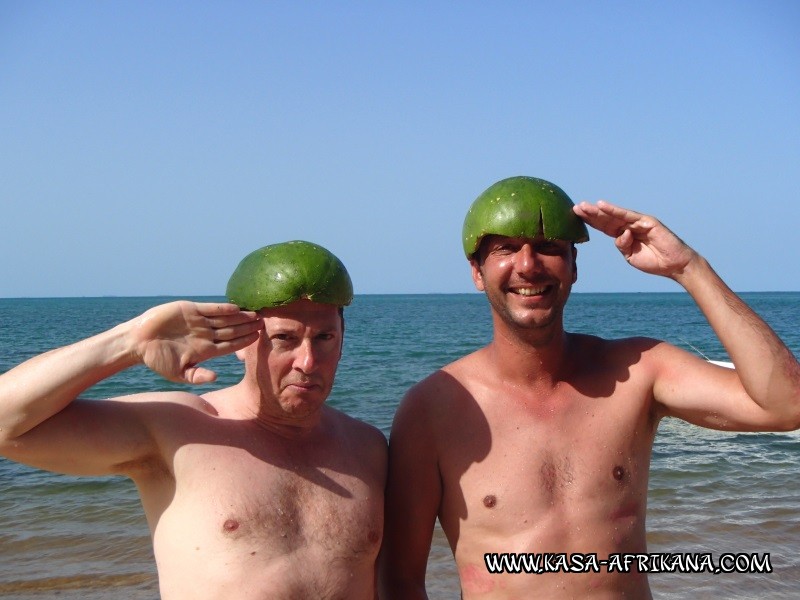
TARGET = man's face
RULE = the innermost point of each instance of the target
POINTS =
(297, 355)
(527, 281)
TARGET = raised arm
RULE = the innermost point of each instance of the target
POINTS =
(764, 391)
(170, 339)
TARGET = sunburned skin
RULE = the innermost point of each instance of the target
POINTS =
(253, 511)
(543, 470)
(252, 492)
(539, 443)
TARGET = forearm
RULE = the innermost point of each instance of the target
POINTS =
(403, 560)
(766, 367)
(401, 590)
(41, 387)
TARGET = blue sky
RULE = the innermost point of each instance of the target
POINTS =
(146, 147)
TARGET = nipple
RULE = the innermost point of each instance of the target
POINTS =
(619, 473)
(489, 501)
(230, 525)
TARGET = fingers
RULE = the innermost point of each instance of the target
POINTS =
(231, 332)
(171, 364)
(636, 221)
(606, 210)
(226, 323)
(235, 343)
(212, 309)
(627, 215)
(624, 242)
(198, 375)
(604, 217)
(221, 315)
(221, 329)
(613, 220)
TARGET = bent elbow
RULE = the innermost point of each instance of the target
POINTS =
(9, 447)
(790, 424)
(793, 422)
(788, 420)
(8, 437)
(10, 434)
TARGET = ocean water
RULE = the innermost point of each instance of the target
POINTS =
(86, 538)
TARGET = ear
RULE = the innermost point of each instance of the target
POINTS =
(477, 276)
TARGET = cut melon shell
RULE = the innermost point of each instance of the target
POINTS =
(283, 273)
(522, 207)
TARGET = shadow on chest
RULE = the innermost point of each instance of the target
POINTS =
(292, 513)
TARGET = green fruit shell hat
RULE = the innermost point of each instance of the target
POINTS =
(522, 207)
(284, 273)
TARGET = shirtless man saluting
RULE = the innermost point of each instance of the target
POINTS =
(540, 442)
(255, 491)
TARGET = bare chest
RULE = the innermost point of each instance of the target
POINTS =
(231, 501)
(547, 469)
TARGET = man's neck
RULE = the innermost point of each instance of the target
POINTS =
(530, 357)
(267, 413)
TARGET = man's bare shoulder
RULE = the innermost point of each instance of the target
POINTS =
(361, 438)
(358, 441)
(126, 413)
(450, 376)
(475, 373)
(157, 403)
(169, 418)
(350, 426)
(627, 368)
(445, 390)
(123, 435)
(593, 353)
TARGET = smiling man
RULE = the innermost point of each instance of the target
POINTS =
(254, 491)
(538, 445)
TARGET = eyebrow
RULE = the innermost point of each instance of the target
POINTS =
(293, 327)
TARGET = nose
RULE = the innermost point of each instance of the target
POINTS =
(305, 359)
(526, 259)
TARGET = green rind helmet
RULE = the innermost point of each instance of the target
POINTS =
(522, 207)
(284, 273)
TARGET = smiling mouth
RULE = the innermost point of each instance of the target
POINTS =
(529, 291)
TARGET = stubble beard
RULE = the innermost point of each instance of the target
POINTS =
(302, 404)
(533, 326)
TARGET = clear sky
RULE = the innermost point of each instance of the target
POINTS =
(146, 147)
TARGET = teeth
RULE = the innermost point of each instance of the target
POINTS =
(529, 291)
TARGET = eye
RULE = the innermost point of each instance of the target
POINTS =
(281, 337)
(549, 248)
(325, 336)
(505, 248)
